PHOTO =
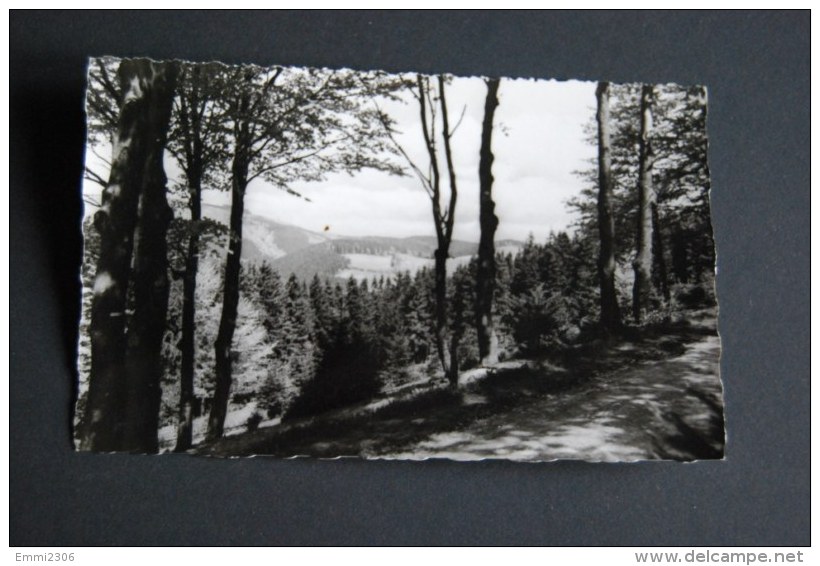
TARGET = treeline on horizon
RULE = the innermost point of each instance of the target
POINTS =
(177, 327)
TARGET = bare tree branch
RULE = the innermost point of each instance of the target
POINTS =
(95, 178)
(100, 157)
(425, 179)
(424, 96)
(93, 202)
(460, 118)
(296, 159)
(109, 86)
(449, 216)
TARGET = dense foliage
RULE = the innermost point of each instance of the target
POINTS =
(684, 248)
(304, 347)
(299, 345)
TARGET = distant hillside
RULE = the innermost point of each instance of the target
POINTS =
(265, 239)
(291, 249)
(419, 246)
(318, 259)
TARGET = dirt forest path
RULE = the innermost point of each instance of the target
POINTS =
(651, 410)
(658, 408)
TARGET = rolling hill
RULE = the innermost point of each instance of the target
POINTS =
(305, 253)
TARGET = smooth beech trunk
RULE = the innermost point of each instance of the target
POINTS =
(144, 365)
(443, 221)
(610, 318)
(136, 181)
(187, 341)
(486, 268)
(230, 301)
(191, 121)
(642, 288)
(443, 251)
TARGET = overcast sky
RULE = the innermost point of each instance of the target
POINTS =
(538, 142)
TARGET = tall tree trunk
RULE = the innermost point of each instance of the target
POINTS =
(443, 220)
(187, 342)
(442, 237)
(192, 108)
(610, 314)
(230, 301)
(144, 365)
(451, 369)
(147, 93)
(485, 273)
(642, 288)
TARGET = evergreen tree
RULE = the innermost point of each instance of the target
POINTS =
(388, 326)
(348, 371)
(503, 304)
(464, 343)
(326, 321)
(297, 329)
(417, 314)
(270, 294)
(681, 248)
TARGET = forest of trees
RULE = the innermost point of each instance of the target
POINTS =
(177, 327)
(649, 194)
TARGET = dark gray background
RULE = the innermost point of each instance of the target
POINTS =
(757, 68)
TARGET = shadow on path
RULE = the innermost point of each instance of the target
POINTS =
(663, 409)
(603, 408)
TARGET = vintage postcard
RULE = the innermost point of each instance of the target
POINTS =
(313, 262)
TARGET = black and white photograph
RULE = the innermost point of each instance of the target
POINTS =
(303, 262)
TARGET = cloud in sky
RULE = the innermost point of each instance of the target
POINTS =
(538, 142)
